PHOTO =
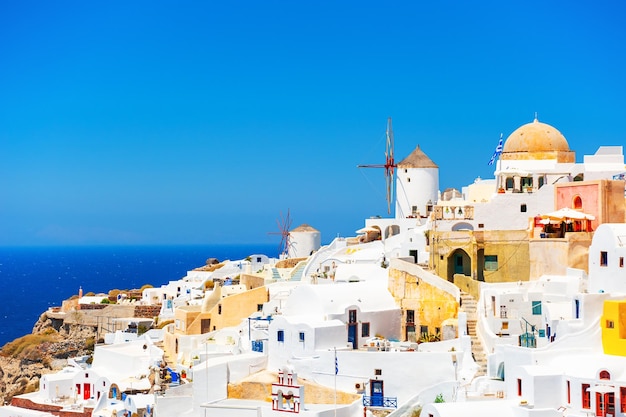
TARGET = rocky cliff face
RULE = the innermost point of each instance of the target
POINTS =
(45, 350)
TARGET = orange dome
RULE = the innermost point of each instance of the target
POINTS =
(537, 141)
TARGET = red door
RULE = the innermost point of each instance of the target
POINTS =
(605, 404)
(86, 391)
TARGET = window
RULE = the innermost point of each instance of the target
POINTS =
(423, 329)
(258, 259)
(481, 225)
(410, 316)
(259, 307)
(622, 399)
(365, 329)
(586, 396)
(527, 183)
(605, 375)
(621, 261)
(280, 336)
(301, 336)
(523, 208)
(491, 262)
(536, 306)
(219, 309)
(505, 325)
(509, 183)
(542, 181)
(519, 387)
(378, 372)
(352, 316)
(569, 396)
(604, 258)
(577, 203)
(610, 324)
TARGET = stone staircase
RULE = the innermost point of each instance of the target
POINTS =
(468, 306)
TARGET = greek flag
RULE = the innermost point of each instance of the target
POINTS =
(336, 364)
(497, 152)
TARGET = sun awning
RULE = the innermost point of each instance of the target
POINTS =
(368, 229)
(567, 213)
(602, 389)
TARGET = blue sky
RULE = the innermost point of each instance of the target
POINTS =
(154, 122)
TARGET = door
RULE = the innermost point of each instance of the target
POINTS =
(352, 335)
(458, 263)
(205, 326)
(86, 391)
(376, 392)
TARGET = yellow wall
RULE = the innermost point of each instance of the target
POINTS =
(510, 246)
(234, 308)
(432, 305)
(554, 256)
(614, 339)
(185, 316)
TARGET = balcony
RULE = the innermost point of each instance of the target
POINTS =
(382, 402)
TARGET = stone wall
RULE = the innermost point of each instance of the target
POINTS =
(50, 408)
(147, 312)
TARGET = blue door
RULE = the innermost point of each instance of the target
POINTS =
(376, 393)
(458, 263)
(352, 335)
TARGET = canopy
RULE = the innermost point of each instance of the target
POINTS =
(601, 388)
(368, 229)
(567, 213)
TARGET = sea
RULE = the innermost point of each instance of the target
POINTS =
(36, 278)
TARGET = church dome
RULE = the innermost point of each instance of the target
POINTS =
(536, 141)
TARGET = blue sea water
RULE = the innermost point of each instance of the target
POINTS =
(35, 278)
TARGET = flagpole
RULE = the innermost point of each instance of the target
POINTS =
(336, 370)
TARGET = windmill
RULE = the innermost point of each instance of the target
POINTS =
(284, 224)
(389, 165)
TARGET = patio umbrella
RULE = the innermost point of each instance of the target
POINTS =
(368, 229)
(567, 213)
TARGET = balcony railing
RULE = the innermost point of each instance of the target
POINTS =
(384, 402)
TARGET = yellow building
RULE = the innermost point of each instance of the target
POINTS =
(613, 324)
(425, 300)
(485, 256)
(225, 306)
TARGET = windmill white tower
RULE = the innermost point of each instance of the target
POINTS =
(304, 240)
(417, 185)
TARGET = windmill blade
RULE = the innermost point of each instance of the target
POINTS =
(284, 225)
(389, 165)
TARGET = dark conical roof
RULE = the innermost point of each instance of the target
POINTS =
(417, 159)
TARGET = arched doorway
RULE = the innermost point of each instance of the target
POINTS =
(459, 262)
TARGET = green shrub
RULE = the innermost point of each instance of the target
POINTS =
(27, 344)
(90, 343)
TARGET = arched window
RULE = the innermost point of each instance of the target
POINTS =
(577, 202)
(510, 183)
(605, 375)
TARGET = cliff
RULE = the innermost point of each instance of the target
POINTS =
(45, 350)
